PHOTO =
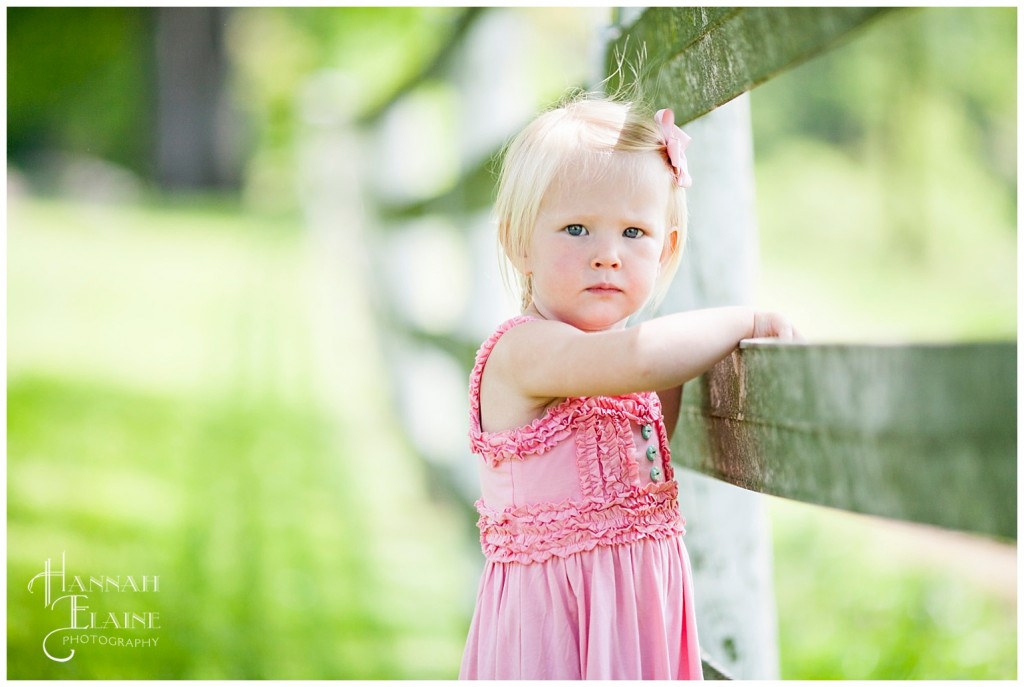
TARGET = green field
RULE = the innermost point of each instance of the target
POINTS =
(173, 411)
(866, 598)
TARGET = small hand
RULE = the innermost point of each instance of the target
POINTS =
(774, 325)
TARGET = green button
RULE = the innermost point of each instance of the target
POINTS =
(652, 453)
(645, 431)
(655, 474)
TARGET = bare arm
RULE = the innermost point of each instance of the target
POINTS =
(547, 359)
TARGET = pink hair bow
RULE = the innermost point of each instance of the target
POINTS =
(676, 141)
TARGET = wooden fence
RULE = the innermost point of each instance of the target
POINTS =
(922, 433)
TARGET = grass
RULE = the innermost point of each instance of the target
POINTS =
(865, 598)
(174, 410)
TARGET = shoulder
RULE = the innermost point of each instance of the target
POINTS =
(514, 355)
(528, 339)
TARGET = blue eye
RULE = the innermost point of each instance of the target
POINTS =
(633, 233)
(576, 230)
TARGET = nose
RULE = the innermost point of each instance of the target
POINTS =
(606, 256)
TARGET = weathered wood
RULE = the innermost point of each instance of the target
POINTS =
(925, 433)
(701, 57)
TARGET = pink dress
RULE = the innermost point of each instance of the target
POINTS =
(586, 575)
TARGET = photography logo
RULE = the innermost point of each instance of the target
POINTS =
(68, 596)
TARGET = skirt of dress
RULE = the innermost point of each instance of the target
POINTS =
(616, 612)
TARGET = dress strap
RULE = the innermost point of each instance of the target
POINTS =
(478, 368)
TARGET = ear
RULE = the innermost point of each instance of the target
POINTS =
(517, 259)
(522, 263)
(671, 245)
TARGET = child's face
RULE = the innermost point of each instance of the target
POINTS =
(599, 242)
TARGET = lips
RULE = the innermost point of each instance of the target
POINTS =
(604, 289)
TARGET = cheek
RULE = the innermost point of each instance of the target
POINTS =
(648, 254)
(558, 262)
(647, 263)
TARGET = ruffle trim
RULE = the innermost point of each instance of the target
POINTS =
(605, 455)
(558, 423)
(535, 533)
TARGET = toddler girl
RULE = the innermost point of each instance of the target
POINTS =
(586, 574)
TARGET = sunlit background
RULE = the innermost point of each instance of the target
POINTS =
(250, 257)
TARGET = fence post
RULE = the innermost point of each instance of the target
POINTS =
(727, 532)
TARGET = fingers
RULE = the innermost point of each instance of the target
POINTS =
(783, 329)
(775, 325)
(789, 332)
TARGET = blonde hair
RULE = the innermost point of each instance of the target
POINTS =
(585, 122)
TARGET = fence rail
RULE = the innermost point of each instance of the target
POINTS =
(921, 433)
(701, 57)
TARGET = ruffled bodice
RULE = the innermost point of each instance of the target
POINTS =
(592, 471)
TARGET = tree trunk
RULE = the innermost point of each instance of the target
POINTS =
(195, 135)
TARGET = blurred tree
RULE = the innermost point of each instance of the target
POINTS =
(78, 81)
(195, 141)
(144, 88)
(194, 97)
(283, 55)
